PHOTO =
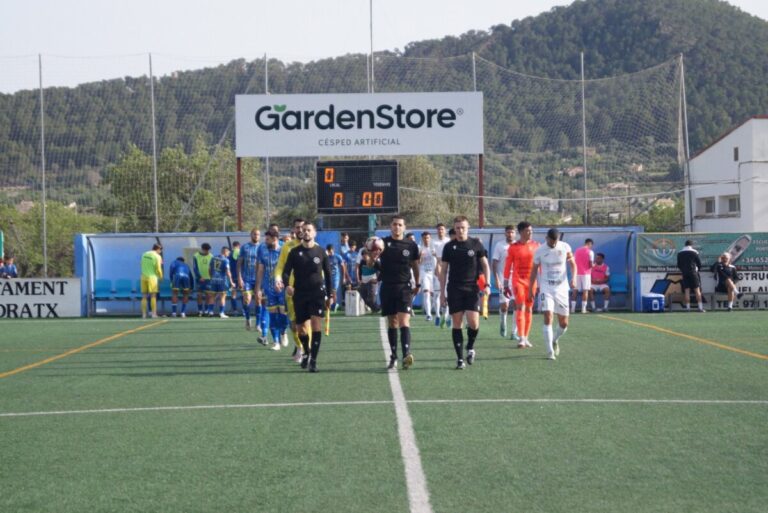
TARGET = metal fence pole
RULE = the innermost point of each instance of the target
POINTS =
(154, 145)
(42, 166)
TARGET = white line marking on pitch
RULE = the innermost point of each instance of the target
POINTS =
(193, 407)
(415, 480)
(141, 409)
(594, 401)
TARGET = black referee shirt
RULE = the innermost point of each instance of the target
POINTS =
(463, 258)
(311, 270)
(395, 261)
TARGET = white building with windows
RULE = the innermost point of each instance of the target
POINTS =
(728, 182)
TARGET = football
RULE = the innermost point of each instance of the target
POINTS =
(374, 244)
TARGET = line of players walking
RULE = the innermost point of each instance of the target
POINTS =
(293, 286)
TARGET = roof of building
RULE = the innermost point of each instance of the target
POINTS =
(729, 132)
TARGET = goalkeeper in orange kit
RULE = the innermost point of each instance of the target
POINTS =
(517, 271)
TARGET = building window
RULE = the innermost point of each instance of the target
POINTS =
(734, 205)
(705, 207)
(735, 153)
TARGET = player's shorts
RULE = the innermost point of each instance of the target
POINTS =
(274, 298)
(722, 288)
(503, 300)
(600, 287)
(149, 285)
(554, 300)
(396, 298)
(204, 286)
(218, 285)
(427, 279)
(691, 281)
(436, 283)
(249, 285)
(308, 306)
(464, 299)
(520, 292)
(335, 281)
(583, 282)
(181, 283)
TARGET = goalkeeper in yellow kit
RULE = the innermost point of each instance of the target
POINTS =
(279, 285)
(151, 274)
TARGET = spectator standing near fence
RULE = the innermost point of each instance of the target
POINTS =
(689, 263)
(8, 268)
(151, 274)
(585, 258)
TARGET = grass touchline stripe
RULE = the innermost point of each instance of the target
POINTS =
(415, 479)
(79, 349)
(689, 337)
(141, 409)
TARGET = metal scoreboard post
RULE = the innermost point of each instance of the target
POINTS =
(357, 187)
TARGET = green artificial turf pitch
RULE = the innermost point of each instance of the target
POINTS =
(188, 415)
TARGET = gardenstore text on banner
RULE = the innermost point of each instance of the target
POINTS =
(316, 125)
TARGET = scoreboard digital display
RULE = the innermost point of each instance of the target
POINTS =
(347, 187)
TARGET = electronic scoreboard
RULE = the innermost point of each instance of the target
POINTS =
(347, 187)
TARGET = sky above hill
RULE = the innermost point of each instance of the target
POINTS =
(85, 40)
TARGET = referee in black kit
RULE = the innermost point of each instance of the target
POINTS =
(463, 260)
(311, 291)
(399, 258)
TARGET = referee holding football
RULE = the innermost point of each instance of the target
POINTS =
(311, 291)
(399, 258)
(463, 261)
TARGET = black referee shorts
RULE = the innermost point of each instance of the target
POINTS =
(396, 298)
(463, 299)
(308, 305)
(691, 281)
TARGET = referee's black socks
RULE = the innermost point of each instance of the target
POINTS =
(471, 337)
(405, 339)
(458, 342)
(316, 335)
(392, 338)
(304, 339)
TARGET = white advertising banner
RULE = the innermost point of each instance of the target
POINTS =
(323, 125)
(43, 298)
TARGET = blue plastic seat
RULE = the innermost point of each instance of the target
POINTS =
(102, 290)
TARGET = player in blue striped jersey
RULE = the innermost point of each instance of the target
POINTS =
(181, 279)
(220, 273)
(269, 253)
(246, 273)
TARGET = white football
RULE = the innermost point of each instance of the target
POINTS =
(374, 244)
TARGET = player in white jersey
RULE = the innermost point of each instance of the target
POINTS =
(549, 265)
(427, 266)
(437, 245)
(498, 260)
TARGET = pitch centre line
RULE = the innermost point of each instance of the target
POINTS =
(689, 337)
(415, 480)
(79, 349)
